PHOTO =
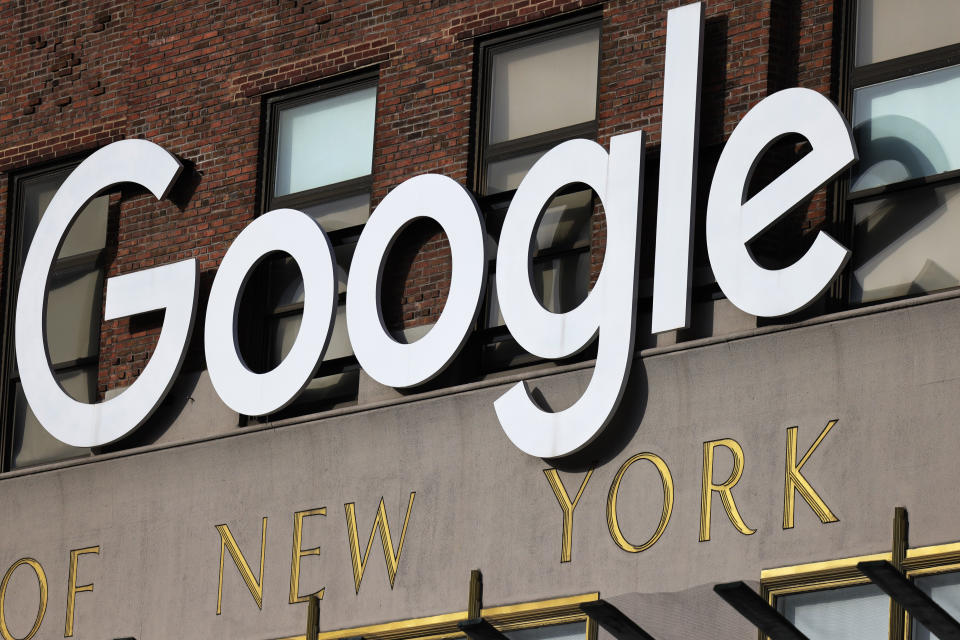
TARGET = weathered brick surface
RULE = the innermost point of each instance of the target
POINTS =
(192, 76)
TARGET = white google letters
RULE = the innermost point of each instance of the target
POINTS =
(607, 315)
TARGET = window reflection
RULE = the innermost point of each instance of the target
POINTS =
(944, 589)
(906, 128)
(905, 244)
(849, 613)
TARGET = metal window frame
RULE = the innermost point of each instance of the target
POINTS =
(488, 336)
(495, 204)
(15, 254)
(273, 104)
(849, 79)
(517, 38)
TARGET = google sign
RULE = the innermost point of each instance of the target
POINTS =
(608, 314)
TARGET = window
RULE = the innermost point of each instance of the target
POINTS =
(833, 600)
(73, 315)
(536, 90)
(319, 160)
(904, 200)
(845, 613)
(943, 587)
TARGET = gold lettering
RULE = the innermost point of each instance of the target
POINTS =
(300, 553)
(794, 480)
(708, 487)
(381, 525)
(228, 542)
(73, 589)
(42, 579)
(566, 543)
(614, 525)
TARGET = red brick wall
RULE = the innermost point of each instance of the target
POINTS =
(191, 77)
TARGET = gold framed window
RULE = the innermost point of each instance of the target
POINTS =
(832, 599)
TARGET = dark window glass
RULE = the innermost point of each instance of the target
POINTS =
(74, 312)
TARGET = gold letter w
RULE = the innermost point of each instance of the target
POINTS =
(380, 524)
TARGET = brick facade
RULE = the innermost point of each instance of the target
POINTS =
(192, 78)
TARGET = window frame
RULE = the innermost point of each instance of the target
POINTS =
(273, 105)
(494, 206)
(514, 617)
(851, 78)
(261, 341)
(15, 254)
(836, 574)
(509, 40)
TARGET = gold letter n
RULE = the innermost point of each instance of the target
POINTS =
(381, 525)
(794, 480)
(228, 542)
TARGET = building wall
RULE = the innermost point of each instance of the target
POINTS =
(194, 78)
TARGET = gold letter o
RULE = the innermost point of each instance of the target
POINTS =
(613, 524)
(42, 579)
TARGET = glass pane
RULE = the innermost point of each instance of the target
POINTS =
(562, 282)
(89, 231)
(344, 256)
(892, 28)
(73, 315)
(287, 283)
(850, 613)
(31, 442)
(284, 335)
(492, 317)
(409, 335)
(505, 175)
(945, 591)
(325, 390)
(544, 86)
(286, 328)
(341, 214)
(504, 354)
(566, 222)
(906, 128)
(573, 631)
(325, 141)
(339, 346)
(906, 244)
(36, 195)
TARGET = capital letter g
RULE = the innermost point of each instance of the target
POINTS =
(172, 287)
